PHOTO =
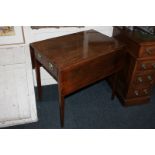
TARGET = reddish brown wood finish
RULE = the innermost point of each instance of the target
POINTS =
(137, 78)
(32, 57)
(38, 78)
(78, 60)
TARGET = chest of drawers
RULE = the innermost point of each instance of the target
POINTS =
(137, 78)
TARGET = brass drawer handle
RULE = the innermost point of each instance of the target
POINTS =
(136, 93)
(145, 91)
(143, 66)
(153, 66)
(148, 51)
(50, 66)
(39, 56)
(149, 77)
(140, 79)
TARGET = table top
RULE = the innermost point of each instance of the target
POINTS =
(78, 47)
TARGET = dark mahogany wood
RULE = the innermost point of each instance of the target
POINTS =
(78, 60)
(32, 57)
(137, 78)
(38, 78)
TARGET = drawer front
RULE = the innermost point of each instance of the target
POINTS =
(138, 92)
(144, 79)
(50, 67)
(147, 51)
(144, 65)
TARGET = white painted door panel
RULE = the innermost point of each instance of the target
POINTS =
(14, 101)
(22, 91)
(8, 108)
(12, 55)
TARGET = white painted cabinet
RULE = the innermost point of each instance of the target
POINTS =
(17, 98)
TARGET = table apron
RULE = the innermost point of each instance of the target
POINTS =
(84, 74)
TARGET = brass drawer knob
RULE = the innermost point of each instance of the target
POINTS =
(50, 66)
(39, 56)
(145, 91)
(140, 79)
(136, 92)
(148, 51)
(143, 66)
(149, 77)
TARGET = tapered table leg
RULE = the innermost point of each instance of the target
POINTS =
(61, 102)
(38, 79)
(114, 84)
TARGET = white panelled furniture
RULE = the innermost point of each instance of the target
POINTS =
(17, 80)
(17, 99)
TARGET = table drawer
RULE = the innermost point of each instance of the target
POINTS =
(48, 65)
(144, 65)
(147, 51)
(144, 79)
(138, 92)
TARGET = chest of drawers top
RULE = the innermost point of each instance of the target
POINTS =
(136, 36)
(139, 44)
(78, 47)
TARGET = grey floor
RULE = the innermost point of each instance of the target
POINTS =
(91, 108)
